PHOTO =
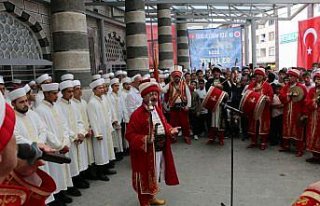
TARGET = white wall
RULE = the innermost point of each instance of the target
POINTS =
(288, 51)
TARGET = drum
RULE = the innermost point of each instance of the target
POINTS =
(310, 197)
(252, 104)
(214, 98)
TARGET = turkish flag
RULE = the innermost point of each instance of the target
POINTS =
(309, 42)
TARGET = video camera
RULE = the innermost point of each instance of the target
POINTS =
(32, 153)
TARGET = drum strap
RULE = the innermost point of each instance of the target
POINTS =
(176, 92)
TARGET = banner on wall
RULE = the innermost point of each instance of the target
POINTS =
(215, 46)
(153, 46)
(309, 42)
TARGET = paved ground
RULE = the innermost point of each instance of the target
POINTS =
(262, 178)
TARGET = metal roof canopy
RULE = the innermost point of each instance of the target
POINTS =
(218, 11)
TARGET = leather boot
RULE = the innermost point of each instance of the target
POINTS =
(221, 138)
(156, 201)
(253, 141)
(211, 135)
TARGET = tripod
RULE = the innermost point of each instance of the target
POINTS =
(226, 106)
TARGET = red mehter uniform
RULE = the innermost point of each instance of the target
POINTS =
(292, 112)
(313, 126)
(142, 154)
(38, 193)
(310, 197)
(264, 121)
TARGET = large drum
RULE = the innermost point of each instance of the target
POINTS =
(252, 104)
(310, 197)
(214, 98)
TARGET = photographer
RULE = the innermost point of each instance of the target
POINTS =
(20, 182)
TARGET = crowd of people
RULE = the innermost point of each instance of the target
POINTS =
(97, 133)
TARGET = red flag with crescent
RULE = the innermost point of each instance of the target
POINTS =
(309, 42)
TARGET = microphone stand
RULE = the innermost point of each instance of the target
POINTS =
(226, 106)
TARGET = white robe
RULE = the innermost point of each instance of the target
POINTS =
(78, 152)
(51, 116)
(39, 98)
(133, 101)
(118, 106)
(28, 129)
(124, 95)
(99, 118)
(82, 108)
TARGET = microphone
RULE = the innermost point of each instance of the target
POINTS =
(32, 153)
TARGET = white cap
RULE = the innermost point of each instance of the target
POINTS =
(176, 68)
(27, 88)
(32, 83)
(136, 76)
(17, 93)
(111, 74)
(114, 81)
(1, 80)
(125, 73)
(126, 80)
(105, 76)
(16, 81)
(120, 72)
(42, 78)
(67, 77)
(76, 83)
(107, 81)
(2, 109)
(96, 76)
(166, 71)
(66, 84)
(97, 83)
(50, 87)
(146, 76)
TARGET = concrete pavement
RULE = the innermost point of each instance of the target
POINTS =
(262, 178)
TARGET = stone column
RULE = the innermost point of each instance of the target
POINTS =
(136, 37)
(183, 44)
(165, 36)
(70, 40)
(253, 43)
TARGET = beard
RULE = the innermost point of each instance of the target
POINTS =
(23, 110)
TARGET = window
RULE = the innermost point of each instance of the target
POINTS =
(271, 51)
(263, 52)
(258, 53)
(271, 22)
(263, 38)
(271, 36)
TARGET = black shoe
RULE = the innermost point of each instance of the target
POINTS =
(104, 178)
(110, 165)
(313, 160)
(110, 172)
(57, 203)
(119, 156)
(72, 191)
(62, 197)
(81, 184)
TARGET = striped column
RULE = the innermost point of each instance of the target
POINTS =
(136, 38)
(183, 44)
(70, 40)
(165, 36)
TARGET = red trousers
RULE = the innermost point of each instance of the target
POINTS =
(181, 118)
(145, 199)
(299, 144)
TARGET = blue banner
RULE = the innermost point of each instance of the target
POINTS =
(218, 46)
